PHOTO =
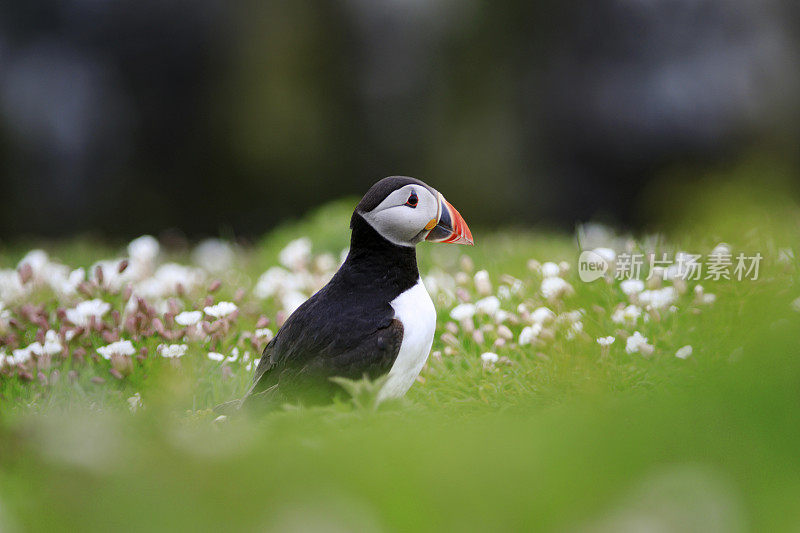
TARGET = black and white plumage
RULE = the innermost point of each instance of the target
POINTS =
(374, 316)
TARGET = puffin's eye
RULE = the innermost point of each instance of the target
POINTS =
(412, 200)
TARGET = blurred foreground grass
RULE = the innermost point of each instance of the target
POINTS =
(564, 437)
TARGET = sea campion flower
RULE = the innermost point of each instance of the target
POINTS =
(221, 310)
(82, 314)
(172, 351)
(108, 273)
(658, 298)
(606, 341)
(541, 315)
(488, 306)
(23, 355)
(483, 284)
(144, 249)
(264, 334)
(52, 344)
(489, 358)
(135, 402)
(214, 255)
(628, 315)
(684, 352)
(124, 348)
(11, 287)
(607, 254)
(529, 333)
(632, 286)
(463, 312)
(554, 288)
(188, 318)
(638, 343)
(168, 279)
(296, 254)
(575, 329)
(291, 300)
(216, 356)
(550, 270)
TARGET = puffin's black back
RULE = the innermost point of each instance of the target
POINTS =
(347, 328)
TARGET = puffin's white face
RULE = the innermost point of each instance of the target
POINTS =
(407, 215)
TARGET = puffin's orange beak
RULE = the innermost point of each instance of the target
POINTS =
(449, 226)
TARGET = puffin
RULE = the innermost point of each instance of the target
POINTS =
(374, 317)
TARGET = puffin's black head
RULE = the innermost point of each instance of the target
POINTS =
(406, 211)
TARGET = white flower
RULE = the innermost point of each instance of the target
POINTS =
(658, 298)
(684, 352)
(489, 358)
(483, 284)
(84, 311)
(504, 292)
(291, 300)
(23, 355)
(188, 318)
(215, 356)
(325, 263)
(638, 343)
(167, 279)
(234, 355)
(68, 286)
(463, 312)
(489, 305)
(37, 259)
(112, 278)
(606, 341)
(632, 286)
(172, 351)
(571, 316)
(529, 333)
(143, 250)
(264, 333)
(554, 288)
(629, 315)
(296, 254)
(135, 402)
(574, 329)
(796, 305)
(550, 270)
(541, 315)
(607, 254)
(221, 310)
(277, 281)
(721, 249)
(214, 255)
(11, 287)
(116, 348)
(52, 344)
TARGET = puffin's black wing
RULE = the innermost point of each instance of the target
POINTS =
(337, 332)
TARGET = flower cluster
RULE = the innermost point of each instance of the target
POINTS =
(119, 312)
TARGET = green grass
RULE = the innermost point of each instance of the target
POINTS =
(563, 437)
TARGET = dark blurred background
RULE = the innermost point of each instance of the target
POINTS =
(119, 117)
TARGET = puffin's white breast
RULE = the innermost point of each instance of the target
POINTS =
(414, 308)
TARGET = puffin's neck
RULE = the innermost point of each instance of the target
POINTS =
(371, 256)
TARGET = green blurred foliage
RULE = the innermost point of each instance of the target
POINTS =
(570, 441)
